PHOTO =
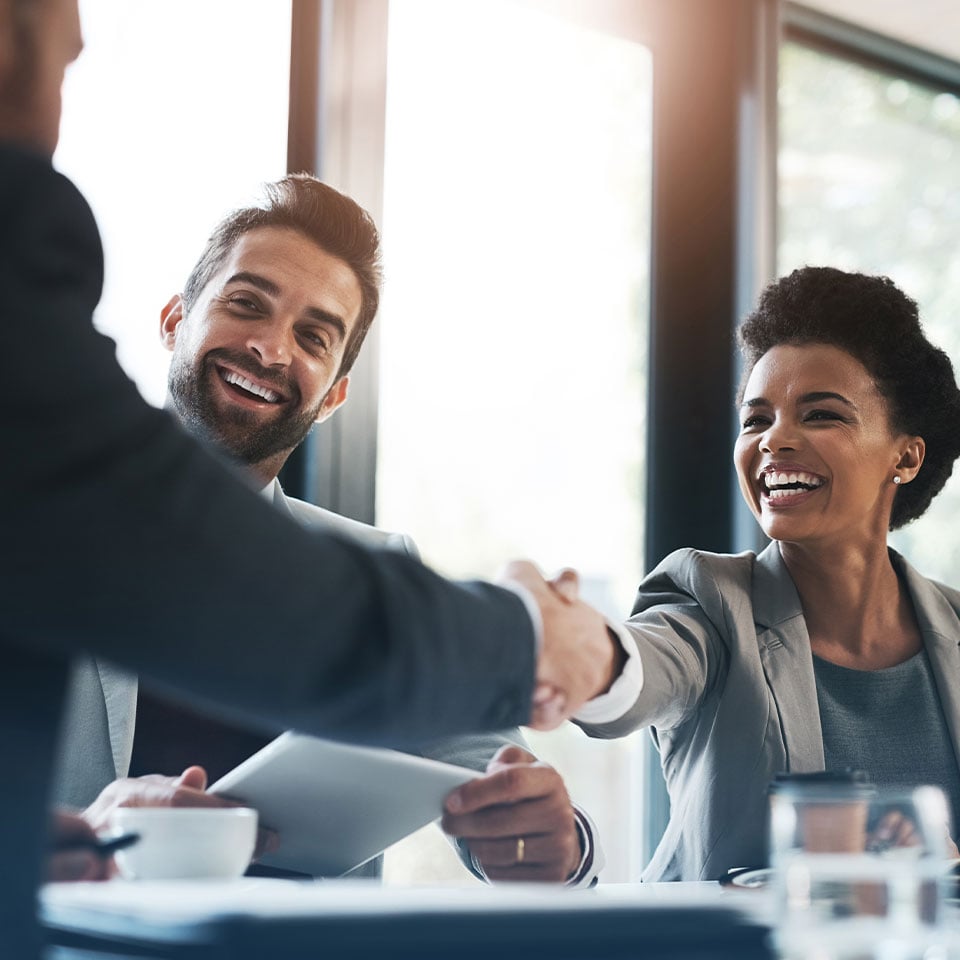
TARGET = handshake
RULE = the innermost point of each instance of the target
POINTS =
(579, 658)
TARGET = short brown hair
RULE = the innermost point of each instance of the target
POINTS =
(328, 218)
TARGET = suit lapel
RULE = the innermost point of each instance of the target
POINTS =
(787, 661)
(120, 688)
(940, 628)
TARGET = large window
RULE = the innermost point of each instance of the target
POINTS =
(516, 213)
(516, 223)
(173, 115)
(870, 180)
(514, 319)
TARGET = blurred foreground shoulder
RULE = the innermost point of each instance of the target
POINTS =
(41, 210)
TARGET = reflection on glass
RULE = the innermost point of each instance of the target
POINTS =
(870, 180)
(174, 114)
(516, 223)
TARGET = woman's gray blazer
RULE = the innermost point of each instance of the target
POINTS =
(729, 691)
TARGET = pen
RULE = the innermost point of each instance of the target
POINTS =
(101, 846)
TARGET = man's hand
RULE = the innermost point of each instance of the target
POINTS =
(579, 659)
(73, 865)
(517, 820)
(187, 790)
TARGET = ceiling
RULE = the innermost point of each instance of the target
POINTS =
(931, 24)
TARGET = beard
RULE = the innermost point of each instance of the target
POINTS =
(241, 433)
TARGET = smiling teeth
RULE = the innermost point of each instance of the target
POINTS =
(782, 479)
(780, 484)
(251, 387)
(780, 494)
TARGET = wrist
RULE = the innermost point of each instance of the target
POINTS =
(618, 658)
(584, 862)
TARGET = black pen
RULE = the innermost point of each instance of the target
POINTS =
(102, 847)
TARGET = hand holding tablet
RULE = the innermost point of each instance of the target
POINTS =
(335, 805)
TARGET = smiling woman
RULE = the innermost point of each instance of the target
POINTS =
(816, 435)
(874, 323)
(754, 665)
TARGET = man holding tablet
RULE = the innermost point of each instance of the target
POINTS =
(255, 338)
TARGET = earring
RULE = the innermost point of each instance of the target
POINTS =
(897, 480)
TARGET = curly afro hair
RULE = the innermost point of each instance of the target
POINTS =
(874, 321)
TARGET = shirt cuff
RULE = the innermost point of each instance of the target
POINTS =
(533, 609)
(624, 691)
(592, 861)
(476, 866)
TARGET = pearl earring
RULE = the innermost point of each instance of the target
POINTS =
(897, 480)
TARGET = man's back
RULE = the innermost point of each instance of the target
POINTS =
(170, 736)
(98, 742)
(112, 519)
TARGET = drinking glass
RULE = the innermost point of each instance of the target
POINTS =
(858, 869)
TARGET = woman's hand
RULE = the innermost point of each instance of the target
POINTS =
(895, 829)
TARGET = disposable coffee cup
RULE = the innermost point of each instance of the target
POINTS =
(823, 812)
(856, 867)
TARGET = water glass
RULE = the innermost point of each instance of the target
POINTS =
(857, 869)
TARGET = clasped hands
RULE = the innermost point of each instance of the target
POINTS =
(517, 820)
(578, 659)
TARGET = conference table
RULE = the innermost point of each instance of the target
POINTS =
(269, 919)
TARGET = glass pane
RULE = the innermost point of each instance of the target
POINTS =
(174, 114)
(870, 180)
(514, 319)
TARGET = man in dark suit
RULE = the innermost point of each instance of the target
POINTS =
(264, 336)
(110, 516)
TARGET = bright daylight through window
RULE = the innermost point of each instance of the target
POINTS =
(514, 319)
(870, 180)
(164, 134)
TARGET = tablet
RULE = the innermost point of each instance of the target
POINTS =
(336, 805)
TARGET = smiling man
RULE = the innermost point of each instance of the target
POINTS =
(279, 305)
(114, 514)
(263, 339)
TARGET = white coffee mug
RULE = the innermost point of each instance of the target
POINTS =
(179, 843)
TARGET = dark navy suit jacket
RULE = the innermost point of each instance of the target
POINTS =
(116, 525)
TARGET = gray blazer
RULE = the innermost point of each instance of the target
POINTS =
(97, 737)
(729, 691)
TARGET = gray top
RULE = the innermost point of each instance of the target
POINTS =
(888, 723)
